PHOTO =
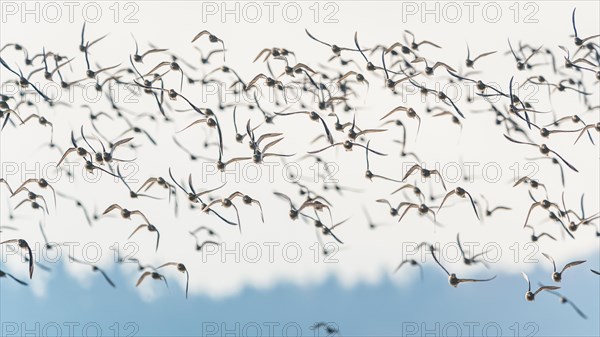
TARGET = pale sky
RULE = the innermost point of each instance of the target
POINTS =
(281, 250)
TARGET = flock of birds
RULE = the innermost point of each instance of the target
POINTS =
(401, 63)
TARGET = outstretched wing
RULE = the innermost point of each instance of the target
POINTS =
(144, 275)
(436, 260)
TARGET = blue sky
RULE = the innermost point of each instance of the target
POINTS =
(382, 309)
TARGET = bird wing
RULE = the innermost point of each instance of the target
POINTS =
(572, 264)
(527, 279)
(475, 280)
(551, 260)
(112, 207)
(144, 275)
(107, 278)
(542, 288)
(140, 214)
(472, 203)
(137, 229)
(534, 205)
(446, 197)
(438, 262)
(400, 265)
